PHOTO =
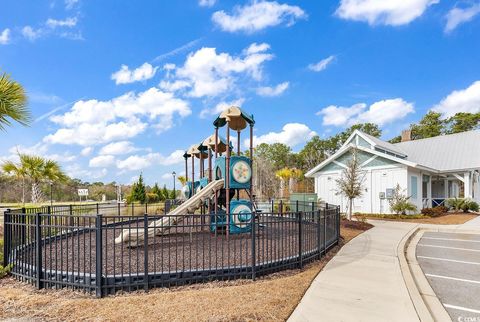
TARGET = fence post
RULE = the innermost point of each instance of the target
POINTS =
(71, 216)
(98, 256)
(8, 237)
(98, 210)
(23, 228)
(146, 207)
(319, 233)
(300, 240)
(296, 206)
(38, 251)
(254, 251)
(338, 223)
(145, 251)
(118, 208)
(133, 208)
(325, 212)
(281, 207)
(49, 220)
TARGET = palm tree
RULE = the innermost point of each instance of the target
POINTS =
(284, 175)
(13, 103)
(295, 175)
(182, 179)
(18, 171)
(38, 170)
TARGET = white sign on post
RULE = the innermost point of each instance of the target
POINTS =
(83, 192)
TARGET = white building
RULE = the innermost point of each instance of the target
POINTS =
(429, 170)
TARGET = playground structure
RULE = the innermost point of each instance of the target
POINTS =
(218, 189)
(215, 234)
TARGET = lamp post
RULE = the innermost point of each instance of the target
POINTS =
(174, 191)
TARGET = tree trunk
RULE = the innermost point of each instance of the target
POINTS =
(282, 188)
(23, 191)
(349, 217)
(291, 184)
(36, 192)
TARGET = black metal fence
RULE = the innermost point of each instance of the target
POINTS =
(57, 249)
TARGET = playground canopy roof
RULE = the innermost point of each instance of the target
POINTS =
(195, 150)
(236, 118)
(221, 142)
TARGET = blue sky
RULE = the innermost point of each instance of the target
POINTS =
(119, 87)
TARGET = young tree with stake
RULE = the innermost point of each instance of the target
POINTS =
(350, 183)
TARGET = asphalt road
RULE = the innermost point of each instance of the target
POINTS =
(451, 263)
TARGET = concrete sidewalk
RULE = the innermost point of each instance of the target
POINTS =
(363, 282)
(472, 224)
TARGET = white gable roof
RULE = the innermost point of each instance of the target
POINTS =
(376, 143)
(446, 153)
(452, 152)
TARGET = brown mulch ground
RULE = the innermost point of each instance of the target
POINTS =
(271, 298)
(448, 219)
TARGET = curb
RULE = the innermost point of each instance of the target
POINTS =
(426, 303)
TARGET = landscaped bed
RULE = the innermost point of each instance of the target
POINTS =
(444, 219)
(272, 298)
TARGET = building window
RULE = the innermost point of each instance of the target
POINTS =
(413, 187)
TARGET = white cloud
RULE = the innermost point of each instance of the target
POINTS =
(30, 33)
(322, 65)
(117, 148)
(381, 113)
(67, 22)
(61, 28)
(206, 3)
(96, 122)
(101, 161)
(273, 91)
(339, 115)
(257, 16)
(70, 4)
(139, 162)
(207, 73)
(292, 134)
(5, 37)
(173, 86)
(465, 100)
(220, 107)
(86, 151)
(76, 171)
(41, 149)
(127, 76)
(256, 48)
(457, 16)
(383, 12)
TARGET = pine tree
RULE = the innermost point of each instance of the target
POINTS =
(156, 190)
(165, 194)
(138, 191)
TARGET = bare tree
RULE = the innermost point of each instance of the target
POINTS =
(351, 181)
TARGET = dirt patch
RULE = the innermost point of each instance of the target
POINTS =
(272, 298)
(447, 219)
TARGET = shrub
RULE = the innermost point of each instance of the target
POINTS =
(4, 271)
(461, 204)
(399, 202)
(455, 203)
(152, 197)
(470, 205)
(435, 211)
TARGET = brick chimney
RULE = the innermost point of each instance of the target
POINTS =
(406, 135)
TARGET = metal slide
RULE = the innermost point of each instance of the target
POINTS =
(175, 216)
